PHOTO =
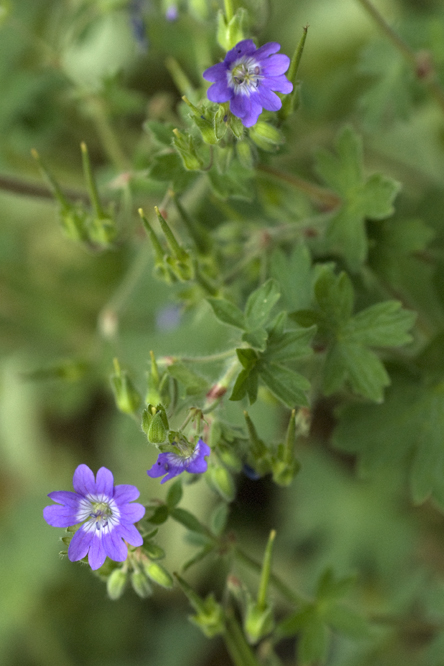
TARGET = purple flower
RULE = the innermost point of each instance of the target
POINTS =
(106, 514)
(246, 79)
(173, 464)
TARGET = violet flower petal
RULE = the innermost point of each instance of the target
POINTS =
(66, 497)
(83, 481)
(79, 545)
(114, 547)
(132, 513)
(96, 553)
(125, 493)
(104, 482)
(130, 534)
(60, 516)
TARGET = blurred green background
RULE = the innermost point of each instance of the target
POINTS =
(68, 68)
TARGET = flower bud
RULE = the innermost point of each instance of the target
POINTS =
(141, 584)
(258, 622)
(102, 230)
(266, 136)
(125, 393)
(158, 574)
(184, 144)
(155, 424)
(245, 154)
(73, 223)
(230, 32)
(220, 121)
(116, 583)
(236, 126)
(284, 471)
(209, 616)
(153, 551)
(202, 121)
(222, 482)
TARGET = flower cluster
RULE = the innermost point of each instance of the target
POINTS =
(247, 78)
(105, 512)
(173, 464)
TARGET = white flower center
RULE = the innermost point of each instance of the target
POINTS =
(99, 513)
(244, 76)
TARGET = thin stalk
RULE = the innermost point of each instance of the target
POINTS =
(108, 138)
(130, 280)
(229, 11)
(29, 189)
(290, 595)
(319, 194)
(236, 644)
(428, 78)
(266, 572)
(205, 359)
(91, 182)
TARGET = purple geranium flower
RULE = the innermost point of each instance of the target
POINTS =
(246, 79)
(173, 464)
(106, 514)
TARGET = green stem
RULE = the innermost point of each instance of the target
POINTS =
(107, 135)
(266, 572)
(319, 194)
(22, 187)
(229, 11)
(130, 280)
(428, 78)
(238, 648)
(206, 359)
(396, 40)
(91, 182)
(293, 597)
(296, 59)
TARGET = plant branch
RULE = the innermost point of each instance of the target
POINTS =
(319, 194)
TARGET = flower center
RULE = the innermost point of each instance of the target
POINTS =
(101, 512)
(244, 76)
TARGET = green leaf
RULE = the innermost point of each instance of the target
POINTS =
(260, 303)
(246, 383)
(384, 324)
(290, 345)
(389, 95)
(162, 132)
(174, 494)
(287, 385)
(346, 621)
(227, 312)
(295, 276)
(160, 515)
(359, 366)
(313, 642)
(247, 357)
(256, 339)
(362, 198)
(153, 551)
(348, 337)
(334, 294)
(189, 521)
(169, 168)
(330, 588)
(405, 432)
(193, 382)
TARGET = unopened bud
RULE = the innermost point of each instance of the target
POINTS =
(127, 397)
(116, 583)
(184, 144)
(141, 585)
(266, 136)
(258, 622)
(158, 574)
(222, 482)
(155, 424)
(230, 33)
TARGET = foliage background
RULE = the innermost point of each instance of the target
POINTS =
(64, 65)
